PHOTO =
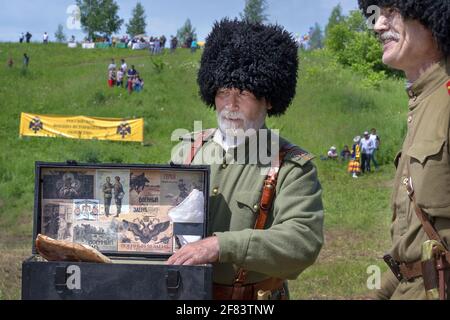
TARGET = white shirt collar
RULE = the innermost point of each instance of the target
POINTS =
(227, 142)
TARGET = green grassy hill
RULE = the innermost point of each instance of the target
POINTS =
(332, 106)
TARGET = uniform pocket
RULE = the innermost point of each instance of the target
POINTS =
(430, 172)
(245, 210)
(429, 152)
(248, 201)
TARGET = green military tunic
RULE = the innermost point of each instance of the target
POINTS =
(294, 229)
(425, 154)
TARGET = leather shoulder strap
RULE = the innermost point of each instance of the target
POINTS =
(199, 140)
(267, 197)
(270, 183)
(422, 216)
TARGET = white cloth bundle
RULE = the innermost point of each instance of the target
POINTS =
(190, 210)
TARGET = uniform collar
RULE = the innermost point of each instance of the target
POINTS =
(430, 80)
(272, 141)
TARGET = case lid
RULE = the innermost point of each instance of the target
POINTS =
(145, 211)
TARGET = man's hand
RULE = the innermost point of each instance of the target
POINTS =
(200, 252)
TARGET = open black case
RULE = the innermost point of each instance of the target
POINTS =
(137, 215)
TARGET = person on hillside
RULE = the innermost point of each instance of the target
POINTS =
(188, 42)
(26, 61)
(367, 147)
(354, 165)
(120, 76)
(45, 38)
(332, 153)
(138, 84)
(346, 154)
(415, 36)
(28, 37)
(22, 37)
(194, 46)
(376, 141)
(112, 65)
(173, 44)
(124, 65)
(163, 41)
(111, 78)
(131, 74)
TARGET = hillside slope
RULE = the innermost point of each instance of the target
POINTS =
(331, 107)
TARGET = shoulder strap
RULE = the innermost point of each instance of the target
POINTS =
(267, 197)
(423, 217)
(199, 140)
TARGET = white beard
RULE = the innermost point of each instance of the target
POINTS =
(233, 133)
(232, 128)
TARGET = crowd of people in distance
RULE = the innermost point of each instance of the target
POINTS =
(360, 156)
(124, 77)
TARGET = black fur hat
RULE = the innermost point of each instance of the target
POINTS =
(433, 14)
(262, 59)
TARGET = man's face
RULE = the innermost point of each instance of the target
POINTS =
(405, 42)
(240, 110)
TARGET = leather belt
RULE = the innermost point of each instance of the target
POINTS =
(250, 291)
(411, 271)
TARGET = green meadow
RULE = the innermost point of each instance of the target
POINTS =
(332, 105)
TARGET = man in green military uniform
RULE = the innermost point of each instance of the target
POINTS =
(266, 217)
(416, 39)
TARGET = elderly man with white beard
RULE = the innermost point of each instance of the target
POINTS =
(416, 39)
(265, 222)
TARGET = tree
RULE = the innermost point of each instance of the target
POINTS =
(254, 11)
(357, 47)
(336, 17)
(59, 34)
(137, 23)
(186, 32)
(315, 37)
(99, 17)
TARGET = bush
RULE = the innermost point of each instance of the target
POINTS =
(355, 46)
(158, 64)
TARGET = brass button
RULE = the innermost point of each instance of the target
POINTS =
(224, 166)
(405, 181)
(410, 119)
(256, 207)
(215, 191)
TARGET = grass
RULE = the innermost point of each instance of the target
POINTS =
(330, 108)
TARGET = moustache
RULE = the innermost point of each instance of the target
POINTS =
(232, 115)
(389, 35)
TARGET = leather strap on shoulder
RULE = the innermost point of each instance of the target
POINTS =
(422, 216)
(198, 142)
(267, 197)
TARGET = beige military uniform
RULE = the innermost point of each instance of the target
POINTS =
(294, 230)
(425, 158)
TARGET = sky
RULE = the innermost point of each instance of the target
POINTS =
(163, 16)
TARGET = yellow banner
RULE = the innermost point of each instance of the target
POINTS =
(80, 127)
